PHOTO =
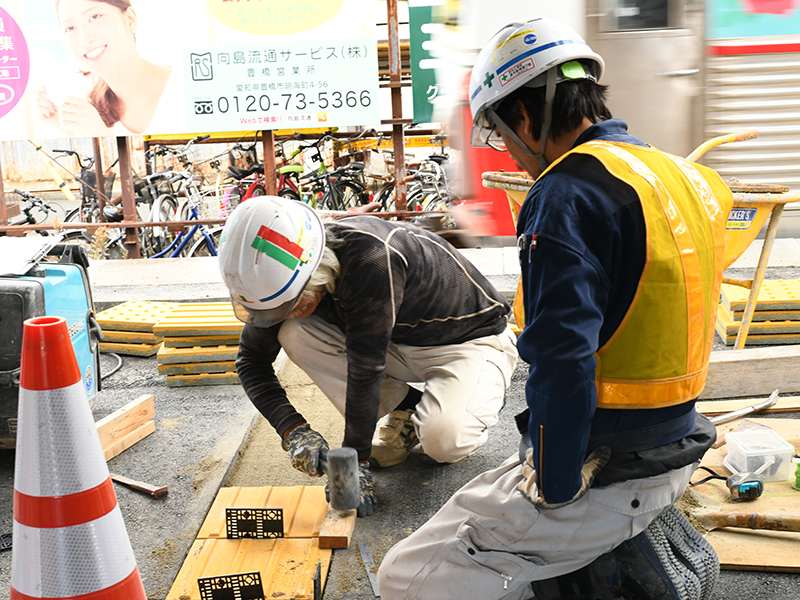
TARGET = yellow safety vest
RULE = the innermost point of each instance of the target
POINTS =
(659, 354)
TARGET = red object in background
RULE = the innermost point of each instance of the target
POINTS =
(489, 207)
(769, 7)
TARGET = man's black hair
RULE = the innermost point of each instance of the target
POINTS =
(573, 101)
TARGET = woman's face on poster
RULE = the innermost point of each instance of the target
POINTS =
(99, 35)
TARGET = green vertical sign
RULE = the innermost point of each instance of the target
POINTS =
(423, 81)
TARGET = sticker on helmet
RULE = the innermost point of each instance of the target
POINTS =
(515, 71)
(278, 247)
(529, 39)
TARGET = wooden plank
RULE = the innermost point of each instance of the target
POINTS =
(135, 315)
(227, 366)
(126, 419)
(286, 566)
(337, 529)
(304, 508)
(201, 340)
(753, 372)
(203, 379)
(130, 349)
(197, 354)
(131, 337)
(745, 549)
(129, 440)
(713, 408)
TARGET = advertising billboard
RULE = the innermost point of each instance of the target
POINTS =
(93, 68)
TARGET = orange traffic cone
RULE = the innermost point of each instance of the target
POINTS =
(69, 537)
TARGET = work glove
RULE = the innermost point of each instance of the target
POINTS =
(591, 467)
(369, 502)
(307, 450)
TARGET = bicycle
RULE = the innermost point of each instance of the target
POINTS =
(34, 213)
(89, 209)
(332, 190)
(188, 210)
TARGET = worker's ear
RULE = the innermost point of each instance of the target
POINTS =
(524, 129)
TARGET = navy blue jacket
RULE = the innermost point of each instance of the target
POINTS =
(582, 251)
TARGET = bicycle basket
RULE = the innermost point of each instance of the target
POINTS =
(140, 189)
(108, 183)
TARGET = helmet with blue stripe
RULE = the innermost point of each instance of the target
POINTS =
(525, 53)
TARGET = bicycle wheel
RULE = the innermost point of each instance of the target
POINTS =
(289, 193)
(386, 196)
(200, 247)
(155, 239)
(340, 195)
(351, 193)
(101, 246)
(255, 190)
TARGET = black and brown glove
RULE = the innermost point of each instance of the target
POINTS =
(307, 450)
(591, 467)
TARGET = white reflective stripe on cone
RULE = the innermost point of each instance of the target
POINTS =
(70, 561)
(58, 449)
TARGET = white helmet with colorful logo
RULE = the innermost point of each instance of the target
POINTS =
(269, 249)
(524, 53)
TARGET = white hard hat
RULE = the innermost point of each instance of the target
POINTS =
(521, 54)
(269, 249)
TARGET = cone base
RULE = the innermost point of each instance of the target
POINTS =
(130, 588)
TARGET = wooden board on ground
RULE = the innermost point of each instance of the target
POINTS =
(176, 356)
(303, 507)
(226, 366)
(713, 408)
(200, 318)
(130, 349)
(126, 426)
(135, 315)
(775, 294)
(203, 379)
(131, 337)
(753, 372)
(201, 340)
(287, 566)
(743, 548)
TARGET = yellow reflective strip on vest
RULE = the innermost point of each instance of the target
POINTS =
(718, 217)
(652, 393)
(688, 254)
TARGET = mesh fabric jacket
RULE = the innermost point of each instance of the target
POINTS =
(398, 283)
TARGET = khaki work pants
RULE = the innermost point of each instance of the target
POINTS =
(488, 542)
(465, 384)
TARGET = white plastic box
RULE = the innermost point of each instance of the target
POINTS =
(750, 450)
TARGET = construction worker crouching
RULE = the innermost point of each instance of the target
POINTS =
(365, 307)
(620, 247)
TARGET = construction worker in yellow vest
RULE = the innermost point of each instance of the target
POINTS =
(621, 250)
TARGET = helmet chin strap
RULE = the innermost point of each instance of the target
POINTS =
(549, 96)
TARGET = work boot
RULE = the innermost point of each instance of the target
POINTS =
(394, 439)
(669, 560)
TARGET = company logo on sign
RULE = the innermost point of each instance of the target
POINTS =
(202, 67)
(88, 380)
(203, 107)
(741, 218)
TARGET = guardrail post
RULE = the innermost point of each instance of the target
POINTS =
(395, 76)
(128, 199)
(270, 177)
